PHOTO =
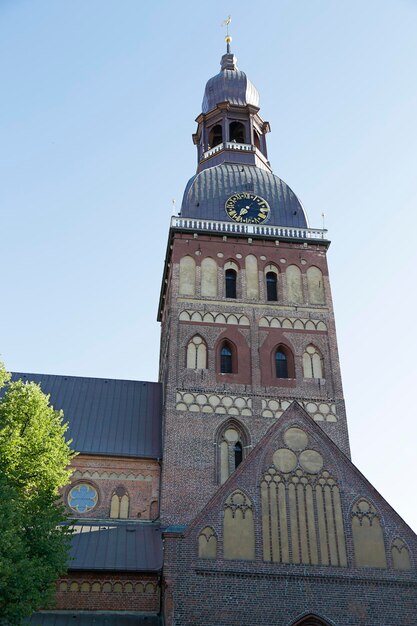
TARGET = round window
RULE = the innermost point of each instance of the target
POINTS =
(82, 498)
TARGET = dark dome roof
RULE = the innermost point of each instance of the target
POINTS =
(206, 193)
(229, 85)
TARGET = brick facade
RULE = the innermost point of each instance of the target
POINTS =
(138, 478)
(189, 453)
(222, 591)
(93, 591)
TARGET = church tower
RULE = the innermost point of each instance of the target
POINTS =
(264, 517)
(246, 308)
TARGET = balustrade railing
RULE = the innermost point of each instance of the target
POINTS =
(263, 230)
(229, 145)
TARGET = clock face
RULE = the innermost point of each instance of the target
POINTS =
(247, 208)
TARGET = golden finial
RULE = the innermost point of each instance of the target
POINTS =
(228, 38)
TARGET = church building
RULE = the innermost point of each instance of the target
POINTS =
(224, 494)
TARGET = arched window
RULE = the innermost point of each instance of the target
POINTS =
(231, 444)
(197, 353)
(281, 364)
(368, 535)
(400, 555)
(187, 276)
(215, 136)
(294, 284)
(230, 280)
(315, 286)
(207, 543)
(209, 278)
(271, 287)
(312, 363)
(226, 358)
(237, 132)
(238, 527)
(119, 507)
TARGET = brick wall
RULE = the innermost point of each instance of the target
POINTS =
(246, 592)
(116, 592)
(189, 469)
(138, 477)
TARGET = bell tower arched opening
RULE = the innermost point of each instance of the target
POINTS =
(237, 132)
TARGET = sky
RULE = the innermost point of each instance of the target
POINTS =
(97, 110)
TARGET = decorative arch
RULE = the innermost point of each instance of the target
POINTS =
(237, 132)
(207, 543)
(232, 442)
(119, 506)
(209, 278)
(215, 136)
(196, 353)
(315, 286)
(368, 535)
(187, 276)
(312, 362)
(283, 362)
(302, 518)
(238, 527)
(294, 284)
(400, 555)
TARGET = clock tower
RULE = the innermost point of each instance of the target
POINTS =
(265, 519)
(246, 308)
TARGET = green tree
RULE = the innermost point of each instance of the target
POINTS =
(34, 459)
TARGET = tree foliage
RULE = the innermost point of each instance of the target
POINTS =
(34, 459)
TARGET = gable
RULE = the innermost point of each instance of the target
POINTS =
(298, 500)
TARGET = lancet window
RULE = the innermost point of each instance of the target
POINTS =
(230, 276)
(232, 442)
(227, 358)
(119, 507)
(197, 353)
(284, 362)
(271, 287)
(312, 363)
(238, 527)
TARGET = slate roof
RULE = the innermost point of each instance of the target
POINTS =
(116, 546)
(81, 618)
(109, 417)
(206, 193)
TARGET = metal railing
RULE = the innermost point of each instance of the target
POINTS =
(261, 230)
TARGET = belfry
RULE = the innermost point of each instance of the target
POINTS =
(224, 494)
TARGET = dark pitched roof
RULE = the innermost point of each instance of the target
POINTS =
(116, 546)
(81, 618)
(115, 417)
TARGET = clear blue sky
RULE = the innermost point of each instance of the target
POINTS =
(96, 114)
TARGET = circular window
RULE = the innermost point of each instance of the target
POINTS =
(82, 498)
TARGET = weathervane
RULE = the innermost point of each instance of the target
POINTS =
(228, 38)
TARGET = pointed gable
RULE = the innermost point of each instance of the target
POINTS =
(298, 500)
